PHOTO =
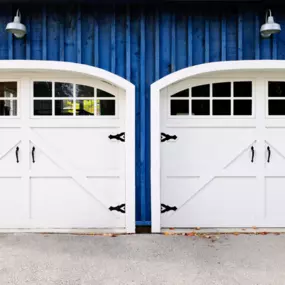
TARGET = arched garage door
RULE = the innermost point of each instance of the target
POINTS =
(221, 156)
(66, 148)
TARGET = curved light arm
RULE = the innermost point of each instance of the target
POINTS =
(266, 15)
(18, 14)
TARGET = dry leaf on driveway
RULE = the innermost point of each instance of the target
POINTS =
(191, 234)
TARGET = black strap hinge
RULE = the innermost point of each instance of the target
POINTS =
(120, 208)
(165, 208)
(119, 137)
(165, 137)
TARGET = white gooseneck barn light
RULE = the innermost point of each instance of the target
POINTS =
(269, 27)
(16, 27)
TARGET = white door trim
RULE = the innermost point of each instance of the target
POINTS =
(158, 86)
(94, 72)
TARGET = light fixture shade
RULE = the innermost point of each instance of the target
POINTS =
(17, 28)
(269, 27)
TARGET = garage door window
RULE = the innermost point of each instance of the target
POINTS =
(276, 98)
(216, 99)
(8, 99)
(68, 99)
(179, 103)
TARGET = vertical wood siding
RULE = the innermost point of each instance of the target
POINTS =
(141, 44)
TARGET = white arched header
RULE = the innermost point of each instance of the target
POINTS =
(22, 66)
(190, 72)
(80, 69)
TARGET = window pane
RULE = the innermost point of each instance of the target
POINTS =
(85, 107)
(179, 107)
(84, 91)
(102, 93)
(42, 89)
(222, 89)
(242, 107)
(63, 107)
(243, 89)
(183, 93)
(200, 107)
(42, 107)
(201, 91)
(8, 108)
(221, 107)
(276, 107)
(8, 89)
(63, 89)
(276, 89)
(105, 107)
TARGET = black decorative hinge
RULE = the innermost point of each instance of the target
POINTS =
(119, 137)
(165, 208)
(120, 208)
(165, 137)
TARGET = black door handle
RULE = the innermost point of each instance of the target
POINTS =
(252, 153)
(33, 154)
(17, 154)
(269, 154)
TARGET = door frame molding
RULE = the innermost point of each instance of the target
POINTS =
(23, 66)
(195, 71)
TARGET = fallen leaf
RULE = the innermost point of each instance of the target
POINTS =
(277, 234)
(190, 234)
(206, 236)
(254, 227)
(172, 229)
(168, 234)
(197, 228)
(236, 234)
(263, 233)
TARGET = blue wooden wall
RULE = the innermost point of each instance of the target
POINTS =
(141, 44)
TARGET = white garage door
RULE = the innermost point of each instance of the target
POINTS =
(223, 153)
(62, 154)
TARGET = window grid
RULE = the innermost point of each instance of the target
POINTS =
(210, 98)
(96, 101)
(273, 98)
(9, 100)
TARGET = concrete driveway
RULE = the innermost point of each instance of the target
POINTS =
(37, 259)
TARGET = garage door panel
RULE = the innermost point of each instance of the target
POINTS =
(275, 201)
(176, 190)
(276, 135)
(242, 161)
(14, 203)
(274, 152)
(204, 149)
(227, 166)
(274, 162)
(58, 166)
(43, 164)
(8, 149)
(11, 135)
(111, 190)
(225, 202)
(60, 202)
(86, 148)
(8, 162)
